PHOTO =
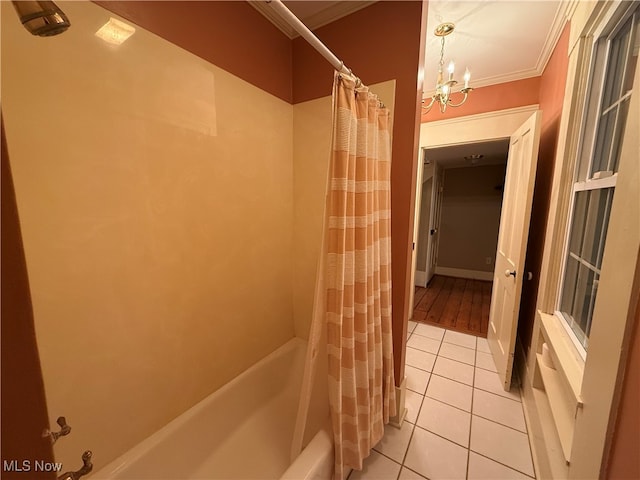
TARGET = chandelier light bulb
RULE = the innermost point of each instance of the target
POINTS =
(451, 69)
(467, 77)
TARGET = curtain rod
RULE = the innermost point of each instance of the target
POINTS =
(310, 37)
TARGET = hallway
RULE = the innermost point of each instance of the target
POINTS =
(460, 423)
(454, 303)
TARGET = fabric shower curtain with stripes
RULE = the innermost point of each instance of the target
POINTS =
(357, 276)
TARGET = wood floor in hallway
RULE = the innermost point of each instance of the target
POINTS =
(454, 303)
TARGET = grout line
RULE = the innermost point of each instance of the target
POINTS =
(452, 379)
(470, 423)
(503, 464)
(499, 396)
(502, 424)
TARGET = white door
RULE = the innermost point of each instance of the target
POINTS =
(434, 231)
(512, 245)
(416, 229)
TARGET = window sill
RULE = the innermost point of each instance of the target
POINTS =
(566, 358)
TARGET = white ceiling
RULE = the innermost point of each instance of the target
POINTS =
(493, 153)
(498, 41)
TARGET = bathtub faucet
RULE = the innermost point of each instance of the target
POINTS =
(86, 468)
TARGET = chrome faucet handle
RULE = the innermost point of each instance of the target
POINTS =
(64, 430)
(86, 468)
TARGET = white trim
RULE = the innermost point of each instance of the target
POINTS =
(317, 20)
(421, 278)
(481, 116)
(559, 22)
(596, 183)
(463, 273)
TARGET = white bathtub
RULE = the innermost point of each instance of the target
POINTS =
(241, 431)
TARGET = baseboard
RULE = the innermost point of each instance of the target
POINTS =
(401, 409)
(462, 273)
(421, 278)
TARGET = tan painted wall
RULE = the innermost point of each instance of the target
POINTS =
(311, 150)
(155, 199)
(470, 217)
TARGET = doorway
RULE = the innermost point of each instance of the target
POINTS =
(522, 127)
(457, 234)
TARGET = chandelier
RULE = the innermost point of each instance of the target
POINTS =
(444, 89)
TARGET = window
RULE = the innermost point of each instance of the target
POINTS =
(614, 60)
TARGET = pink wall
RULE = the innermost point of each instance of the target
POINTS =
(551, 95)
(490, 98)
(239, 39)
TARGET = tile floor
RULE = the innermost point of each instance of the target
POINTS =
(461, 424)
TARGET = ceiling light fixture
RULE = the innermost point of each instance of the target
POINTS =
(444, 89)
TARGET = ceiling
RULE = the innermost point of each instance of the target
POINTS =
(498, 41)
(493, 153)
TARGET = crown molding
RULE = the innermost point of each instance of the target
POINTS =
(495, 80)
(317, 20)
(273, 17)
(565, 8)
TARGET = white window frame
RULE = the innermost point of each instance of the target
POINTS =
(609, 28)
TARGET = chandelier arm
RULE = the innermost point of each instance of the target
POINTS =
(428, 107)
(464, 99)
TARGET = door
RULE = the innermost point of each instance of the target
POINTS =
(416, 229)
(512, 245)
(434, 230)
(423, 237)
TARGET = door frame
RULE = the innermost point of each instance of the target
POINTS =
(482, 127)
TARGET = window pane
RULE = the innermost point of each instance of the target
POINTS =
(595, 225)
(603, 142)
(577, 225)
(584, 295)
(617, 139)
(617, 60)
(569, 285)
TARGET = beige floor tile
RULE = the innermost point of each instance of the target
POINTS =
(420, 359)
(376, 467)
(499, 409)
(417, 379)
(406, 474)
(485, 361)
(490, 382)
(458, 353)
(454, 370)
(430, 331)
(451, 392)
(462, 339)
(413, 401)
(502, 444)
(395, 442)
(425, 344)
(436, 458)
(481, 468)
(482, 345)
(444, 420)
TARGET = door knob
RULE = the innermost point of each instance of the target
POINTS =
(508, 273)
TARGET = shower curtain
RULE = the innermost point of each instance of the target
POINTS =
(357, 274)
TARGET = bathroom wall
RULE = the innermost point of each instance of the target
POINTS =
(470, 218)
(501, 96)
(253, 48)
(155, 195)
(552, 87)
(311, 149)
